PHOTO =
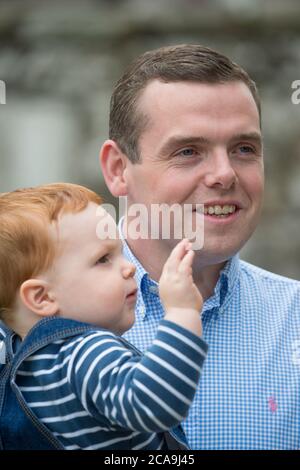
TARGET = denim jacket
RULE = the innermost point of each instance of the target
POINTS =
(20, 429)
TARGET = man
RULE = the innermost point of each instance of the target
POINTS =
(185, 128)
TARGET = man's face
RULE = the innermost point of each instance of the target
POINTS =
(202, 145)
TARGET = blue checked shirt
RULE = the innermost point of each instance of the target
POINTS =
(249, 392)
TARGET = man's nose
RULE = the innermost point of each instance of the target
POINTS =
(220, 171)
(128, 269)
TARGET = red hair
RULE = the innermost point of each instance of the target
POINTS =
(26, 245)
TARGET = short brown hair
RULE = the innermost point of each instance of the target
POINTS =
(185, 62)
(26, 247)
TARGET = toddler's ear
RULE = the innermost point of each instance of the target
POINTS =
(36, 296)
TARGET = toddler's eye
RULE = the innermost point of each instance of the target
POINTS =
(103, 259)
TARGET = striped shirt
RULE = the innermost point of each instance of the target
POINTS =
(249, 392)
(93, 391)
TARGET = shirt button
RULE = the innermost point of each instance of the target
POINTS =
(154, 289)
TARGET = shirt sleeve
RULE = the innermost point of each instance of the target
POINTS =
(149, 393)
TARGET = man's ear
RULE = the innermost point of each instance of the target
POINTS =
(36, 296)
(113, 163)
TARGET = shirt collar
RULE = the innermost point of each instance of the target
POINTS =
(141, 275)
(224, 287)
(214, 304)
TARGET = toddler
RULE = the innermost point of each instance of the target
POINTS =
(66, 296)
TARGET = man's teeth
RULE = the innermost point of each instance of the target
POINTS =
(219, 210)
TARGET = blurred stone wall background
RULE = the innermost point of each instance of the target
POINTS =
(59, 60)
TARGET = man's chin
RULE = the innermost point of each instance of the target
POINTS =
(211, 256)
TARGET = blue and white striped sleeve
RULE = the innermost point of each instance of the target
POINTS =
(149, 393)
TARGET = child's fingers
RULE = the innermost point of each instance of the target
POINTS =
(177, 254)
(187, 261)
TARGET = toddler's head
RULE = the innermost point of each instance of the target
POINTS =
(55, 261)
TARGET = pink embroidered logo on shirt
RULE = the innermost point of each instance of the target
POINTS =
(272, 404)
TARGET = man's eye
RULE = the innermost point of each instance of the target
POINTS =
(103, 259)
(246, 149)
(188, 152)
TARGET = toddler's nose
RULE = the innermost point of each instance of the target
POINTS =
(129, 270)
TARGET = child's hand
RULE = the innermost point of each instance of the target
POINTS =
(177, 290)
